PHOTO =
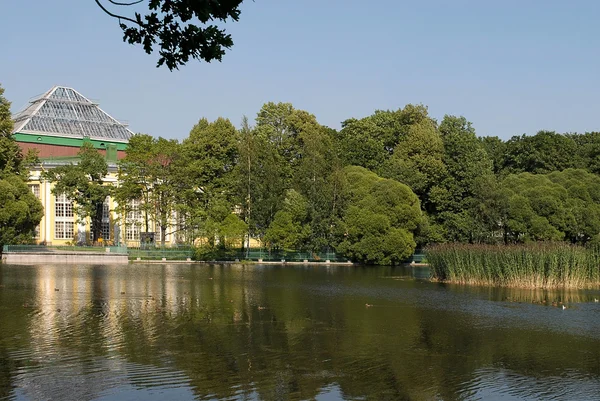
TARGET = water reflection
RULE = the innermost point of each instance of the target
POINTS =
(284, 333)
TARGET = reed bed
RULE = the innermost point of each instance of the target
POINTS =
(534, 265)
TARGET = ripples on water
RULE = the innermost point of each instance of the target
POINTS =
(239, 332)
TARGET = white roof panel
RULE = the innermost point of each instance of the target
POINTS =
(65, 112)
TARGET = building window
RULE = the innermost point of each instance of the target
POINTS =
(63, 222)
(106, 219)
(106, 209)
(63, 206)
(133, 232)
(35, 189)
(105, 230)
(63, 230)
(133, 221)
(134, 213)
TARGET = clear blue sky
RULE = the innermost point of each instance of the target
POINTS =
(510, 67)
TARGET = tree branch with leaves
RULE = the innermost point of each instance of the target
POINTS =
(181, 29)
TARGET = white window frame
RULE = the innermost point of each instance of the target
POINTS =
(105, 229)
(133, 221)
(64, 226)
(64, 230)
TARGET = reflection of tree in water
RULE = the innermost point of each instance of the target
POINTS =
(7, 369)
(275, 333)
(549, 297)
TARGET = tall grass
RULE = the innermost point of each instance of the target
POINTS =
(534, 265)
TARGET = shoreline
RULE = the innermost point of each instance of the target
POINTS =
(246, 262)
(63, 257)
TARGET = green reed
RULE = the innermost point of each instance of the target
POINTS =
(534, 265)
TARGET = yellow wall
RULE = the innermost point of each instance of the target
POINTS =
(47, 225)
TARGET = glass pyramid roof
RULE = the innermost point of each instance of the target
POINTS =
(65, 112)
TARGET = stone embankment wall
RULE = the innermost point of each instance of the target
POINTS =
(30, 258)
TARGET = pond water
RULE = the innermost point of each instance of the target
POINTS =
(252, 332)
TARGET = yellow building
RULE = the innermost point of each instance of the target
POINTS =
(56, 124)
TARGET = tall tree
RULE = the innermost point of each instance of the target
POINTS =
(11, 157)
(209, 158)
(418, 160)
(457, 198)
(83, 183)
(182, 29)
(210, 154)
(496, 151)
(20, 210)
(262, 179)
(149, 174)
(166, 184)
(135, 178)
(314, 178)
(283, 126)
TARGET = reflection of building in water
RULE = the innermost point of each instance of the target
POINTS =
(83, 319)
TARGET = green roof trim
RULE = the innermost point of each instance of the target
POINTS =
(62, 141)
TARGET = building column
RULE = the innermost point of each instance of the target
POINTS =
(47, 212)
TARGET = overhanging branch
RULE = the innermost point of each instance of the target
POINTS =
(119, 17)
(125, 4)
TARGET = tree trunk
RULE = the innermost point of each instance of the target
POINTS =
(96, 222)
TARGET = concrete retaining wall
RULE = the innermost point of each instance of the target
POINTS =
(36, 258)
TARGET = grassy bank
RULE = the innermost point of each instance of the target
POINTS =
(535, 265)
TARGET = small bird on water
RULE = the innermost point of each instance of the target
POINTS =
(595, 299)
(368, 305)
(564, 307)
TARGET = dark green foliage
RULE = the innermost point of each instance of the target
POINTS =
(261, 180)
(287, 230)
(206, 174)
(182, 29)
(370, 141)
(210, 154)
(496, 151)
(588, 150)
(457, 199)
(535, 265)
(20, 211)
(418, 160)
(539, 154)
(289, 154)
(11, 159)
